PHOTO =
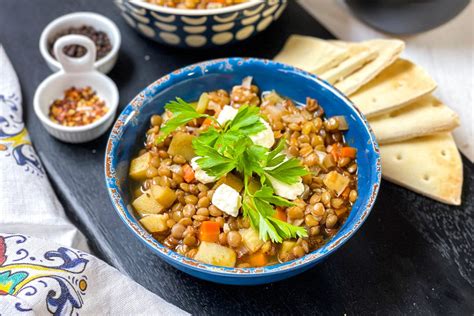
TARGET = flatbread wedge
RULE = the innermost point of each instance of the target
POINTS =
(429, 165)
(387, 52)
(396, 86)
(426, 116)
(311, 54)
(359, 55)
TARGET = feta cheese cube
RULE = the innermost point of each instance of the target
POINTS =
(200, 174)
(227, 200)
(287, 191)
(227, 114)
(264, 138)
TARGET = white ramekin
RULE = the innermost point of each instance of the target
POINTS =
(79, 73)
(78, 19)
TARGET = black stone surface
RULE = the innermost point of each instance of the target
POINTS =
(412, 256)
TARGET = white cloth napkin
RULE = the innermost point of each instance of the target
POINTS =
(44, 274)
(28, 203)
(447, 53)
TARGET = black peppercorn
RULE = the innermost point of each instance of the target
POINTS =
(100, 39)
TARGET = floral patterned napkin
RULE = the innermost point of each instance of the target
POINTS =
(44, 274)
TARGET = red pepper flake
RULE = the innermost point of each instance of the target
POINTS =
(78, 107)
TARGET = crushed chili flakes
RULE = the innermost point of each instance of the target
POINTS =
(78, 107)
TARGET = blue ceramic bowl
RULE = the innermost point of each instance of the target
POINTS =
(200, 28)
(188, 83)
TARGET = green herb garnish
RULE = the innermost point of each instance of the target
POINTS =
(285, 170)
(229, 147)
(183, 113)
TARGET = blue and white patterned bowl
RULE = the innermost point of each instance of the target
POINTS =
(188, 83)
(200, 28)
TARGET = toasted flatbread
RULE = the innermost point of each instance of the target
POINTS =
(359, 55)
(311, 54)
(425, 116)
(396, 86)
(387, 52)
(429, 165)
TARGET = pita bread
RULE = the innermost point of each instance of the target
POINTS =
(387, 50)
(399, 84)
(311, 54)
(428, 165)
(359, 55)
(426, 116)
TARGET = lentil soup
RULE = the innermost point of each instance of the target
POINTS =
(244, 179)
(196, 4)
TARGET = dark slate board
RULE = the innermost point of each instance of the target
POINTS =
(412, 256)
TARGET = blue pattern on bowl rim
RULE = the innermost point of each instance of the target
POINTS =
(200, 28)
(224, 73)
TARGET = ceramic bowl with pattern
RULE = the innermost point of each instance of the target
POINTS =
(188, 83)
(200, 28)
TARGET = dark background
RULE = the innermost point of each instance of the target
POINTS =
(412, 256)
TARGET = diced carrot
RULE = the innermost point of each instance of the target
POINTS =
(258, 259)
(340, 211)
(207, 122)
(209, 231)
(280, 214)
(349, 152)
(346, 192)
(188, 173)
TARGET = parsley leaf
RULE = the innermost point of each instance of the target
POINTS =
(251, 160)
(213, 162)
(266, 193)
(247, 121)
(286, 230)
(179, 106)
(208, 137)
(260, 211)
(267, 229)
(275, 157)
(183, 113)
(282, 168)
(289, 171)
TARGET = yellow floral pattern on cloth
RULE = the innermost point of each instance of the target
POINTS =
(56, 276)
(14, 139)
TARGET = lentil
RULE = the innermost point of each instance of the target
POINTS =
(234, 239)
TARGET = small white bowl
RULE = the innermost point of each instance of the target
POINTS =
(78, 19)
(77, 72)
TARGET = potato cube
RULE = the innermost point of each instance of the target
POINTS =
(163, 195)
(215, 254)
(234, 182)
(182, 144)
(336, 182)
(251, 239)
(138, 167)
(146, 204)
(154, 223)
